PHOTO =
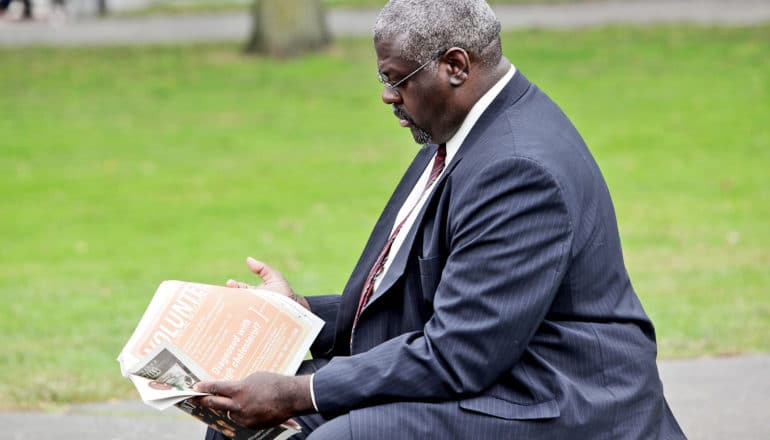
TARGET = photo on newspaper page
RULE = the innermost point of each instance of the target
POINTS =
(166, 377)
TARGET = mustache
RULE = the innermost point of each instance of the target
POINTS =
(401, 114)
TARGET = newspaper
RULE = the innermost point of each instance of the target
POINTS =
(193, 332)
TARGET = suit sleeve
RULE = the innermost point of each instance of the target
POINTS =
(509, 243)
(326, 308)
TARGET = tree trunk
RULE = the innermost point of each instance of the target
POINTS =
(284, 28)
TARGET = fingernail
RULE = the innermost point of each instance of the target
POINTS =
(250, 260)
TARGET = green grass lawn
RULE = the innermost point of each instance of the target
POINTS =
(122, 167)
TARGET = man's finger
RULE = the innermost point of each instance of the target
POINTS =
(237, 284)
(220, 403)
(221, 388)
(267, 273)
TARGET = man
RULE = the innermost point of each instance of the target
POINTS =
(26, 12)
(491, 300)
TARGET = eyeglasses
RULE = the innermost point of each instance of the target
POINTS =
(394, 85)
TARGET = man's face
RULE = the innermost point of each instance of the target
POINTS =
(421, 102)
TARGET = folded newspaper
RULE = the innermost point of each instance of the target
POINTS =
(196, 332)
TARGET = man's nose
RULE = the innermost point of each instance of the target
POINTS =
(390, 96)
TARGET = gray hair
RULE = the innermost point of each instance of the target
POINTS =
(433, 26)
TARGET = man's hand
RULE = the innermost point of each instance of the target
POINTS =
(272, 280)
(260, 400)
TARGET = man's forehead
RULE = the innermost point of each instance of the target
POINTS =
(389, 51)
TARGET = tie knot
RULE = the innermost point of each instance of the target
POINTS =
(441, 152)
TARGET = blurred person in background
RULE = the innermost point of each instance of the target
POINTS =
(26, 13)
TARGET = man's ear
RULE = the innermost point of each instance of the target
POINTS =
(458, 64)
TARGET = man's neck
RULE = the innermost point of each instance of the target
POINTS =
(485, 80)
(489, 78)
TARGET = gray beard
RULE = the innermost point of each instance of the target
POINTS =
(421, 136)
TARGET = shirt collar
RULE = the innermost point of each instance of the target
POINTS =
(473, 116)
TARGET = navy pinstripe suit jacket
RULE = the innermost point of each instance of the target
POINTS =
(508, 311)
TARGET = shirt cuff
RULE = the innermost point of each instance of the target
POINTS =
(312, 393)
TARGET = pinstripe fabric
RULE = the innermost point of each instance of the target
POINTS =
(507, 312)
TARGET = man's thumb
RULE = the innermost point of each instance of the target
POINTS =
(264, 271)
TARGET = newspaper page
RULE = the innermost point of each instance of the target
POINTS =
(192, 332)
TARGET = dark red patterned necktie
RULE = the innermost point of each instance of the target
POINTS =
(379, 264)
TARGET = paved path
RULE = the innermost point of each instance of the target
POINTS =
(235, 26)
(713, 399)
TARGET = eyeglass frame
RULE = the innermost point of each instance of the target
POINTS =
(394, 86)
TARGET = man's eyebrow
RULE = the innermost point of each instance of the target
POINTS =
(384, 71)
(390, 69)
